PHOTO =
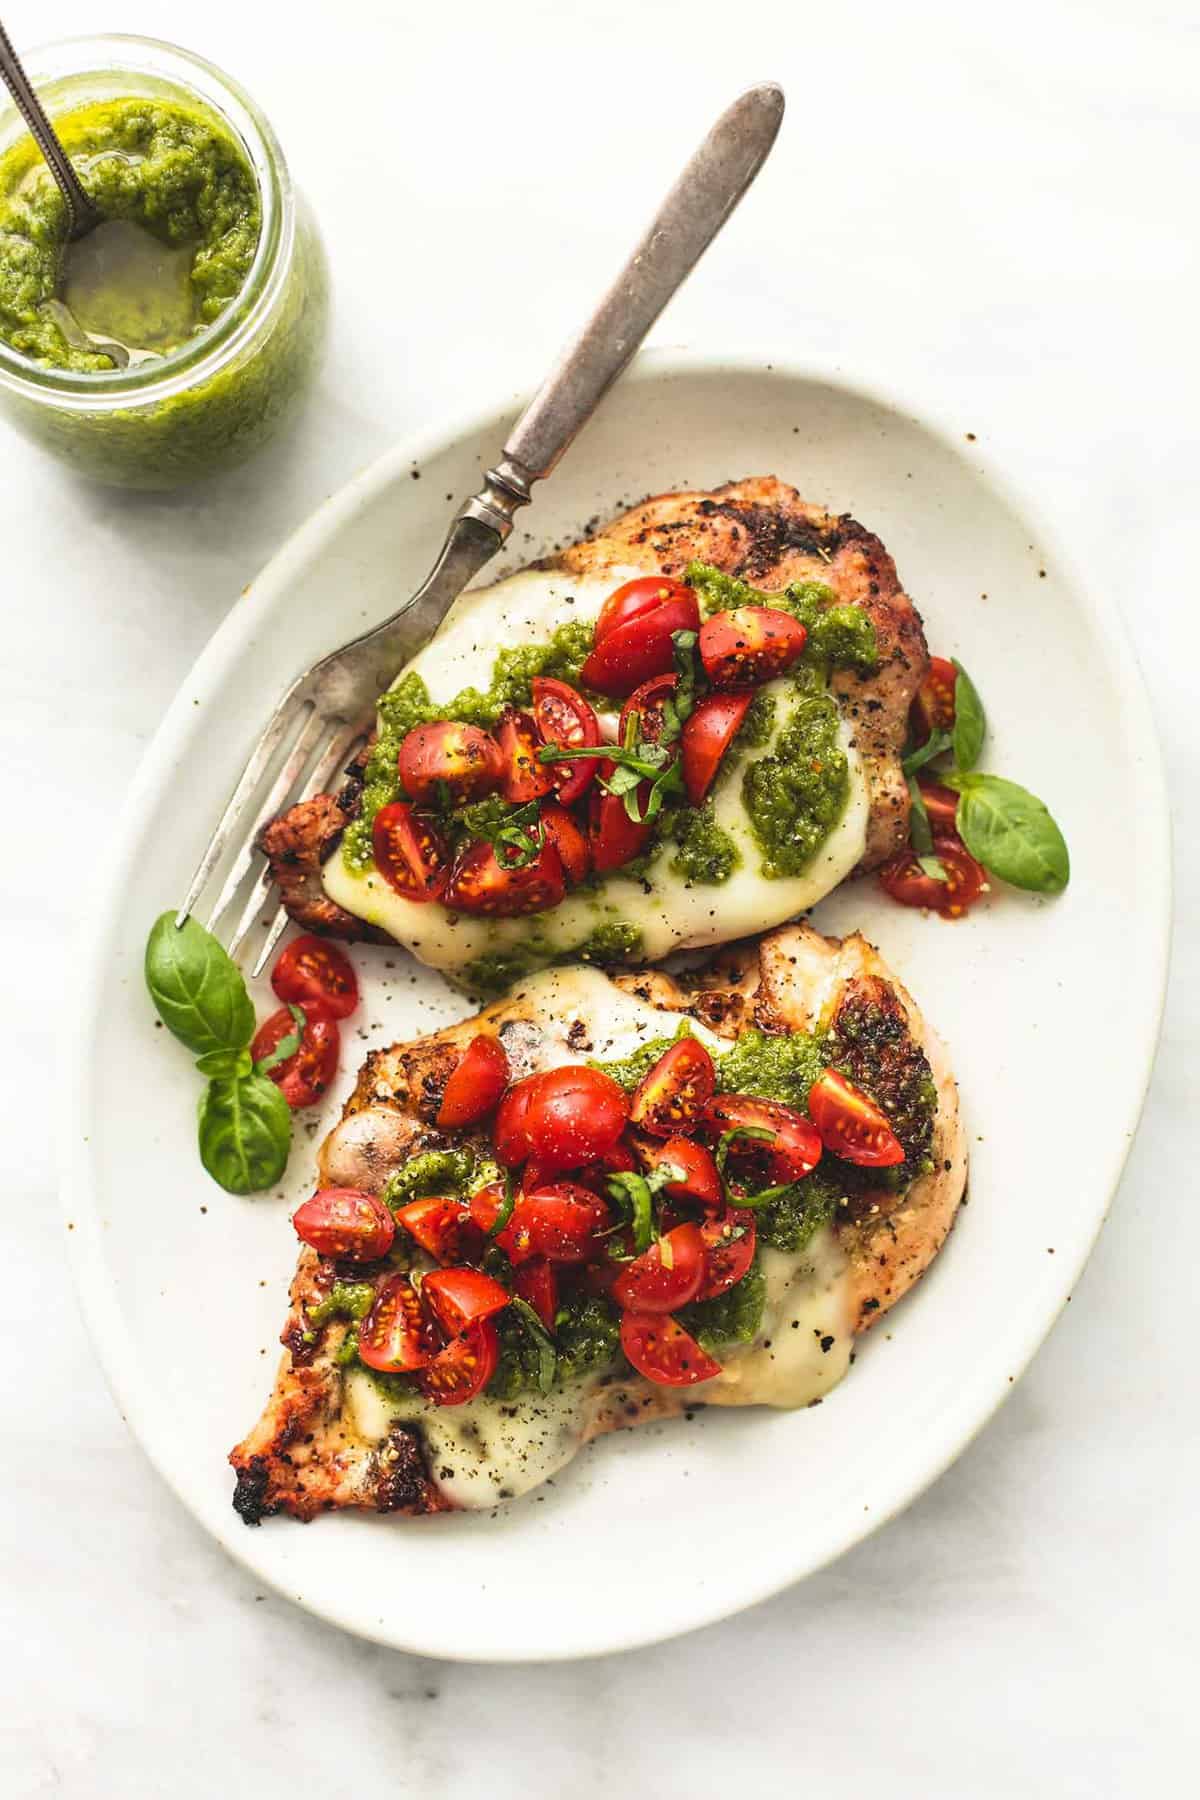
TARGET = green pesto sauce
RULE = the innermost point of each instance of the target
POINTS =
(628, 1071)
(497, 970)
(707, 855)
(587, 1339)
(180, 234)
(166, 171)
(730, 1318)
(345, 1300)
(432, 1172)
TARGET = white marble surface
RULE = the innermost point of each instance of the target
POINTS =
(996, 207)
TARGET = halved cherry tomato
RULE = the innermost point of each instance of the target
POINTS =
(933, 708)
(708, 731)
(537, 1285)
(523, 777)
(633, 634)
(310, 969)
(481, 884)
(467, 759)
(661, 1350)
(409, 852)
(667, 1275)
(749, 645)
(397, 1333)
(851, 1125)
(941, 803)
(701, 1182)
(729, 1250)
(303, 1078)
(615, 838)
(563, 717)
(560, 1222)
(444, 1226)
(563, 1117)
(645, 594)
(906, 881)
(791, 1152)
(619, 1160)
(561, 830)
(345, 1222)
(464, 1368)
(458, 1297)
(484, 1206)
(476, 1083)
(647, 705)
(671, 1095)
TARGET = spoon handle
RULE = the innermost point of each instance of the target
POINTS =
(82, 213)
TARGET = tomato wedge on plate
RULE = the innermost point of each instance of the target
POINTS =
(444, 1226)
(465, 758)
(851, 1125)
(647, 705)
(941, 803)
(563, 1117)
(523, 777)
(464, 1368)
(708, 731)
(672, 1094)
(564, 834)
(561, 1223)
(661, 1350)
(537, 1284)
(397, 1334)
(749, 645)
(669, 1274)
(345, 1222)
(484, 886)
(700, 1182)
(633, 634)
(903, 879)
(933, 708)
(305, 1075)
(615, 838)
(409, 852)
(312, 970)
(563, 717)
(476, 1083)
(728, 1251)
(789, 1153)
(458, 1297)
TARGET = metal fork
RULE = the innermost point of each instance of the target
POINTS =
(328, 712)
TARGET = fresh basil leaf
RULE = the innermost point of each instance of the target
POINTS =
(939, 742)
(543, 1342)
(932, 866)
(505, 1212)
(197, 989)
(245, 1133)
(920, 832)
(1011, 833)
(287, 1046)
(635, 1192)
(970, 726)
(225, 1064)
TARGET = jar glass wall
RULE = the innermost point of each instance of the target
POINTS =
(231, 386)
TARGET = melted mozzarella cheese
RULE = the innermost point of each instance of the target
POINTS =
(490, 1450)
(674, 915)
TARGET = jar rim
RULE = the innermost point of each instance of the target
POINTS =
(203, 84)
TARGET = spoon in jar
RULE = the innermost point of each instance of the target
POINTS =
(84, 216)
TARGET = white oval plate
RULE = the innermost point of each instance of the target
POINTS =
(1050, 1011)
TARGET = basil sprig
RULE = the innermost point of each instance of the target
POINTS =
(543, 1343)
(635, 1194)
(245, 1124)
(1005, 827)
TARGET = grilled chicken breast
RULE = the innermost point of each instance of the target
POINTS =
(759, 530)
(328, 1439)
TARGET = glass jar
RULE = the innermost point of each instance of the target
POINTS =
(219, 396)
